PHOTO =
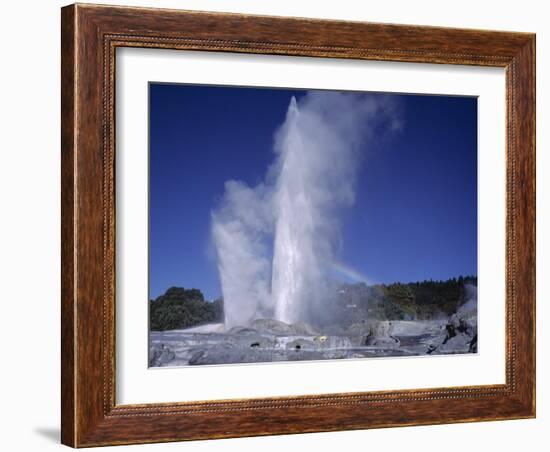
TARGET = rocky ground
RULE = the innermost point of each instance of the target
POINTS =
(268, 340)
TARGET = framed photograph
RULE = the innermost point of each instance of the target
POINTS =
(282, 225)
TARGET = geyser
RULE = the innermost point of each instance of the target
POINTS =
(275, 241)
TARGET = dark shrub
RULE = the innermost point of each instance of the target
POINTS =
(182, 308)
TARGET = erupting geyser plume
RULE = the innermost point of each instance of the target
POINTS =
(274, 241)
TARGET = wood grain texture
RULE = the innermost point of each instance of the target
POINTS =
(67, 224)
(90, 36)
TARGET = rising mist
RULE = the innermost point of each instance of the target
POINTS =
(275, 242)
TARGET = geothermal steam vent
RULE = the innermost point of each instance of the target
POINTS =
(276, 242)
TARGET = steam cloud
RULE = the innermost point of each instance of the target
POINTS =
(276, 241)
(470, 303)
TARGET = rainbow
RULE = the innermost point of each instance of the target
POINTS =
(349, 272)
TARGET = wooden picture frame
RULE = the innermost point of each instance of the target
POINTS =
(90, 36)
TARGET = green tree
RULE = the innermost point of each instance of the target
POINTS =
(182, 308)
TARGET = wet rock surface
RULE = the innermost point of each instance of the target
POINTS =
(268, 340)
(160, 355)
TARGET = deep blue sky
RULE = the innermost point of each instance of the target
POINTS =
(415, 215)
